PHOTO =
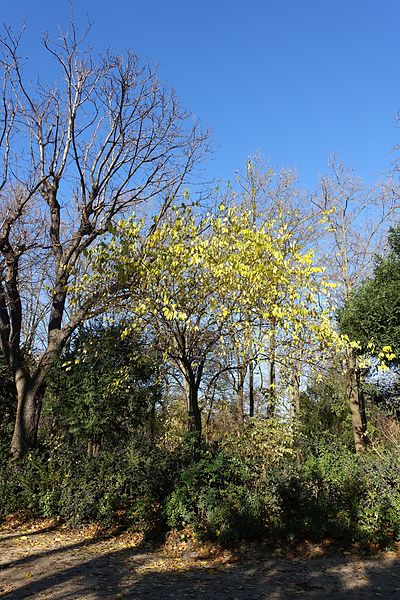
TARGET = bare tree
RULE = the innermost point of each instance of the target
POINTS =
(356, 224)
(76, 154)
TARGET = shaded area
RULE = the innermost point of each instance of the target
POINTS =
(56, 569)
(48, 553)
(48, 529)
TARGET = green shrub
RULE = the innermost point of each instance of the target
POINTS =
(81, 489)
(215, 497)
(219, 493)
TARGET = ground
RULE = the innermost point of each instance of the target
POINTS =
(44, 560)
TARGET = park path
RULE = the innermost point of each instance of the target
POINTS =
(47, 562)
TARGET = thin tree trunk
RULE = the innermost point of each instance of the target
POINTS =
(251, 389)
(296, 401)
(240, 393)
(361, 401)
(296, 385)
(93, 446)
(272, 377)
(152, 420)
(356, 404)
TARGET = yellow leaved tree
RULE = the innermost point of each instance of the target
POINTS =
(198, 282)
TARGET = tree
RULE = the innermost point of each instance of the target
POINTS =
(75, 155)
(202, 283)
(355, 222)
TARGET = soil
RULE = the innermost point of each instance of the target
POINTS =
(47, 561)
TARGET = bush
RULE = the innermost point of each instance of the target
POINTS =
(379, 513)
(80, 489)
(344, 496)
(227, 493)
(215, 497)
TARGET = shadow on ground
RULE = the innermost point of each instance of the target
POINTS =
(30, 533)
(90, 570)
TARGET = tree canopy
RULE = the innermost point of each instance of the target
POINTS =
(372, 313)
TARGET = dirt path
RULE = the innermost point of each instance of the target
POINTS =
(55, 564)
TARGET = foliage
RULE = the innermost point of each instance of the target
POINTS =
(125, 485)
(219, 494)
(103, 387)
(334, 493)
(205, 284)
(263, 442)
(372, 313)
(222, 267)
(324, 412)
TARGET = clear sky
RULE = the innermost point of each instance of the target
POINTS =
(296, 80)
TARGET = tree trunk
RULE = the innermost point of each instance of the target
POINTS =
(356, 404)
(93, 446)
(240, 393)
(194, 413)
(29, 405)
(296, 385)
(251, 389)
(30, 391)
(296, 402)
(152, 420)
(272, 378)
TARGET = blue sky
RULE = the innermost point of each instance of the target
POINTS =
(296, 80)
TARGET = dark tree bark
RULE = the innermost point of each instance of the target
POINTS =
(194, 413)
(29, 399)
(251, 389)
(272, 377)
(241, 377)
(105, 137)
(192, 384)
